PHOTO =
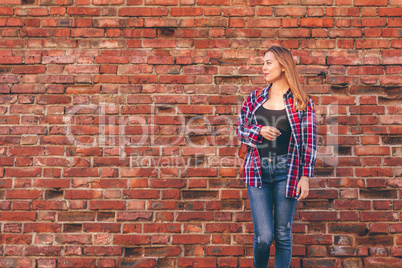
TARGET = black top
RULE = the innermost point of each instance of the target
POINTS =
(278, 119)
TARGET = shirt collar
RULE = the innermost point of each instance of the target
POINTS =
(288, 93)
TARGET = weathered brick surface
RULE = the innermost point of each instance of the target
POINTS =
(117, 130)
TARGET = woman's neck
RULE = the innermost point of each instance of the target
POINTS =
(279, 88)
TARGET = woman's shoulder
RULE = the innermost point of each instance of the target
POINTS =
(251, 99)
(310, 102)
(252, 96)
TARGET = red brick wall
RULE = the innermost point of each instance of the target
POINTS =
(117, 130)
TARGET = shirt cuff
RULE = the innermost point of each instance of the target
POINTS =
(254, 135)
(308, 171)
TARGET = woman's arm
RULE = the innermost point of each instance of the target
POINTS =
(309, 141)
(246, 133)
(308, 152)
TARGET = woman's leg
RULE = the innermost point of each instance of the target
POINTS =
(283, 221)
(261, 210)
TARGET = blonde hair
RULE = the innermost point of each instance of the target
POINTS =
(285, 60)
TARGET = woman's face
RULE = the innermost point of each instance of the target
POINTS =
(272, 70)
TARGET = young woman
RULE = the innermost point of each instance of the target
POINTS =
(279, 125)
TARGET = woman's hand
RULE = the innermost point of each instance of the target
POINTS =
(270, 133)
(303, 187)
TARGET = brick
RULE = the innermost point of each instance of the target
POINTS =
(189, 216)
(185, 11)
(16, 239)
(42, 250)
(378, 228)
(73, 251)
(196, 262)
(374, 172)
(342, 251)
(13, 251)
(313, 239)
(190, 239)
(396, 251)
(394, 182)
(378, 252)
(134, 216)
(317, 251)
(348, 216)
(378, 194)
(82, 194)
(377, 216)
(224, 250)
(76, 216)
(213, 2)
(107, 205)
(131, 240)
(383, 240)
(167, 183)
(163, 251)
(102, 227)
(321, 262)
(372, 150)
(17, 262)
(313, 216)
(76, 262)
(223, 228)
(26, 172)
(23, 194)
(141, 194)
(395, 228)
(162, 228)
(17, 216)
(80, 239)
(352, 204)
(42, 227)
(103, 251)
(156, 205)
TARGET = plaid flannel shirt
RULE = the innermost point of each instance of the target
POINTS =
(302, 146)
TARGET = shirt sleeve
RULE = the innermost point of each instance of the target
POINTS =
(309, 141)
(246, 132)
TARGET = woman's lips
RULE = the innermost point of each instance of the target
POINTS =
(265, 74)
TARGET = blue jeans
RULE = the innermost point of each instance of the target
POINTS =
(267, 223)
